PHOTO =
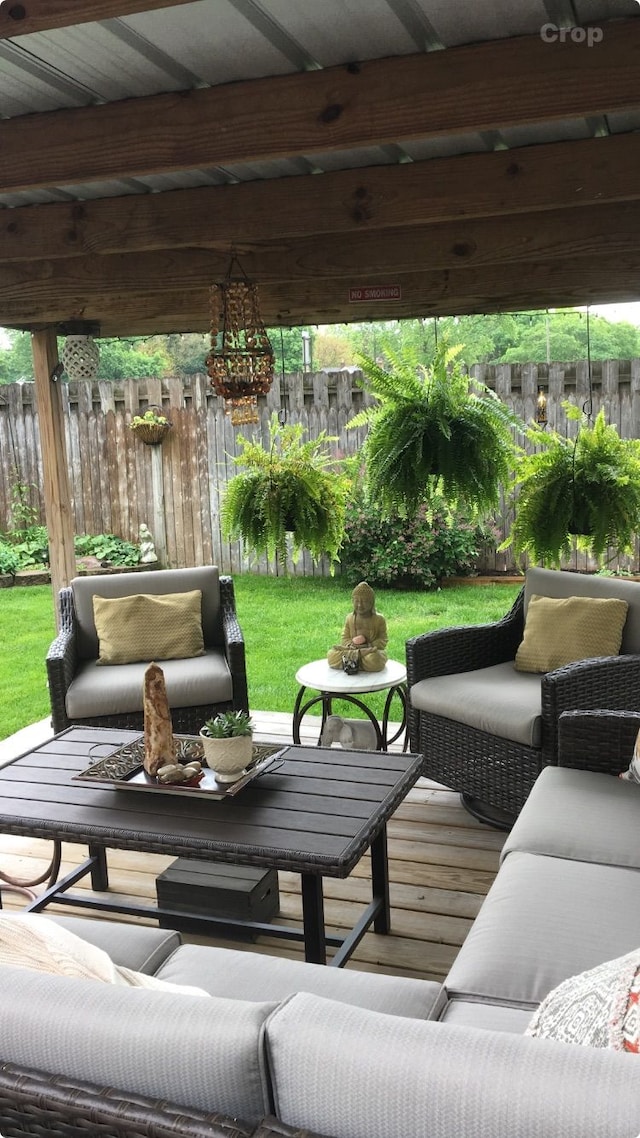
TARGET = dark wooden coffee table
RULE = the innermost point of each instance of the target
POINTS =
(316, 815)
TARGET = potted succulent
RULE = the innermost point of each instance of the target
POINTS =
(293, 486)
(434, 429)
(584, 490)
(151, 426)
(227, 742)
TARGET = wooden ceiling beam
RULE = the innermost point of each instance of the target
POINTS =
(462, 90)
(42, 15)
(501, 184)
(592, 231)
(165, 305)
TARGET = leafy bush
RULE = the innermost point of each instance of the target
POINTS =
(30, 545)
(9, 560)
(107, 547)
(408, 552)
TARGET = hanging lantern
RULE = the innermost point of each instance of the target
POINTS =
(541, 408)
(240, 363)
(81, 357)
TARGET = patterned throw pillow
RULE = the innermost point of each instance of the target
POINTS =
(146, 626)
(598, 1008)
(559, 630)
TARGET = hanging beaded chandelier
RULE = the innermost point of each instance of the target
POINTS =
(240, 363)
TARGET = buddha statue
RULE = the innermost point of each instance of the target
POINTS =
(364, 636)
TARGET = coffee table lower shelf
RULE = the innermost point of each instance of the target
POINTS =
(312, 935)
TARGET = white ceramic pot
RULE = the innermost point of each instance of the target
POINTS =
(227, 758)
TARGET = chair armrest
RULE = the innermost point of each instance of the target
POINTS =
(51, 1104)
(611, 682)
(599, 740)
(233, 644)
(450, 650)
(62, 661)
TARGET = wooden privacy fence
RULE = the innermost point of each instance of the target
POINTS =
(118, 482)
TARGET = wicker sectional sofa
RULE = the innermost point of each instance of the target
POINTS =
(287, 1048)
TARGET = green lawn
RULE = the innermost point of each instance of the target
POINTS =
(286, 623)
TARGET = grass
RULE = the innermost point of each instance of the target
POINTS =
(286, 623)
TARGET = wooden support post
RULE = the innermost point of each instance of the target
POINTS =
(57, 495)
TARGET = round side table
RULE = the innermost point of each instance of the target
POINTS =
(333, 683)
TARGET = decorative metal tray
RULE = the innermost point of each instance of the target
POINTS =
(123, 769)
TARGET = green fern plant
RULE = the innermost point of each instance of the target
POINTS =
(433, 429)
(292, 487)
(585, 489)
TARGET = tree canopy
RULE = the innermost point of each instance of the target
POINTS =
(520, 337)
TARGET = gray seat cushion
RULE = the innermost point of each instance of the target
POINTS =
(490, 1017)
(580, 815)
(117, 689)
(140, 947)
(497, 700)
(256, 976)
(203, 1053)
(354, 1073)
(545, 919)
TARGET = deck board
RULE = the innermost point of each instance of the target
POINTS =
(441, 864)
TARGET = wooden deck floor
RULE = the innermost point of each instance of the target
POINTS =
(441, 864)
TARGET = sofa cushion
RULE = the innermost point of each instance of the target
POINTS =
(559, 630)
(142, 947)
(598, 1008)
(29, 940)
(490, 1017)
(544, 919)
(256, 976)
(207, 1054)
(354, 1073)
(580, 815)
(146, 627)
(156, 582)
(112, 691)
(555, 583)
(497, 700)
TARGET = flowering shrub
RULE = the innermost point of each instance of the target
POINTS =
(409, 552)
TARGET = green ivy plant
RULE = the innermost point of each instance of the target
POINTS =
(292, 487)
(433, 428)
(585, 489)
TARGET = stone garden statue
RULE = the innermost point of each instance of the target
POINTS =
(147, 548)
(364, 636)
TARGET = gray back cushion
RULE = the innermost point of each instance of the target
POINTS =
(354, 1073)
(205, 578)
(555, 583)
(203, 1052)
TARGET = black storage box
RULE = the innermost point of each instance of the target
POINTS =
(217, 890)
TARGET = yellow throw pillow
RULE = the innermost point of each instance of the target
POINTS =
(560, 630)
(148, 627)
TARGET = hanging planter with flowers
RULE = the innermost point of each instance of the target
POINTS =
(152, 426)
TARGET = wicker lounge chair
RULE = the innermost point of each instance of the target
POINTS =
(111, 696)
(495, 771)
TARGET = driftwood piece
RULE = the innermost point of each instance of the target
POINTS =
(159, 743)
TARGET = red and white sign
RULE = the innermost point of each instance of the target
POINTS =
(374, 292)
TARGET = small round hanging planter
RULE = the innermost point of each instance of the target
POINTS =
(152, 426)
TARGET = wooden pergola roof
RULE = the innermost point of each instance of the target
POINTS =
(331, 145)
(440, 156)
